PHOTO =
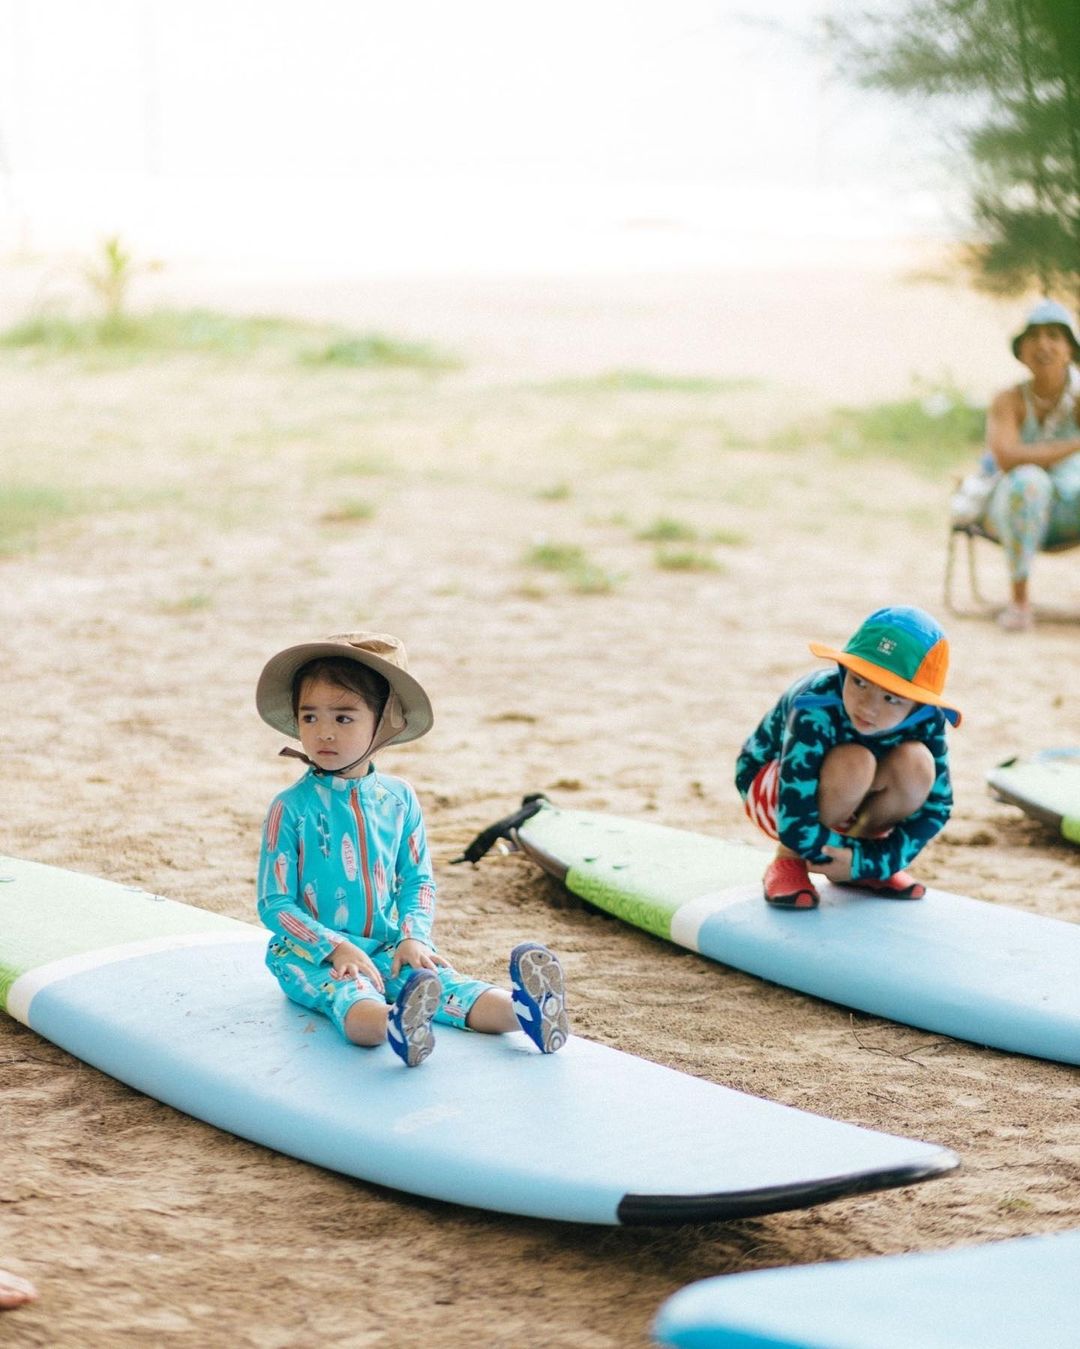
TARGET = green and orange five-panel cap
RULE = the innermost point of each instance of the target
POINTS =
(900, 649)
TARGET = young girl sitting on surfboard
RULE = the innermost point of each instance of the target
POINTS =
(345, 881)
(849, 771)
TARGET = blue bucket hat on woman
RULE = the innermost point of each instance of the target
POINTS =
(1048, 311)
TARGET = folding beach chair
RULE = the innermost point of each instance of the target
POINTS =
(971, 532)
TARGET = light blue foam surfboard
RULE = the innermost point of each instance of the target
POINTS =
(982, 972)
(177, 1003)
(1045, 786)
(1020, 1294)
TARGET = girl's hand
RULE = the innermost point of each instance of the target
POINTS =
(838, 869)
(347, 961)
(414, 953)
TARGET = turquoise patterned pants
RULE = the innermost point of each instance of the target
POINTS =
(1029, 511)
(315, 986)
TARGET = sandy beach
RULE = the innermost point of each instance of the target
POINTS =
(223, 508)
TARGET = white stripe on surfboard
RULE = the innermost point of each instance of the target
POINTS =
(687, 919)
(27, 985)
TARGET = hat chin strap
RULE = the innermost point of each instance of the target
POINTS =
(390, 724)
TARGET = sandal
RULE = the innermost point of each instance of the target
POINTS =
(900, 885)
(1016, 618)
(787, 884)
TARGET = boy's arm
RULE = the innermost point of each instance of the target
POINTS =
(764, 744)
(281, 906)
(878, 859)
(416, 884)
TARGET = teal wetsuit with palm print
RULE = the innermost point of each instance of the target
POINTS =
(798, 732)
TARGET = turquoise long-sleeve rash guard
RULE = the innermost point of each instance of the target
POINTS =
(345, 859)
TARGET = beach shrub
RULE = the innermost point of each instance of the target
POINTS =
(933, 430)
(583, 575)
(373, 465)
(729, 538)
(648, 381)
(591, 579)
(355, 350)
(25, 510)
(558, 491)
(686, 559)
(109, 275)
(555, 556)
(158, 332)
(194, 603)
(666, 530)
(162, 332)
(349, 512)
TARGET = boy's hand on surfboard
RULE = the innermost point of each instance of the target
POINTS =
(839, 868)
(347, 961)
(414, 953)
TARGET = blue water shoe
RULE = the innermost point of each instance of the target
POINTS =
(409, 1028)
(539, 996)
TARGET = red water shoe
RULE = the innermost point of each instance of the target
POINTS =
(787, 884)
(900, 885)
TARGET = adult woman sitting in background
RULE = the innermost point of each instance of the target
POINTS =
(1033, 434)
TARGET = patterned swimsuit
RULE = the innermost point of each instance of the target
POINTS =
(1032, 507)
(346, 859)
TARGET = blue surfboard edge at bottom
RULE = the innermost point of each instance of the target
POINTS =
(477, 1119)
(177, 1003)
(998, 1295)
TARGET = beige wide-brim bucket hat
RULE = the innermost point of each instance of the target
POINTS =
(407, 715)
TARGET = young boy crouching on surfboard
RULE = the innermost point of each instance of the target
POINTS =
(849, 771)
(345, 883)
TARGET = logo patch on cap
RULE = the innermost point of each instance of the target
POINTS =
(886, 646)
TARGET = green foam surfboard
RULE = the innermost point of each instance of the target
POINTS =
(1045, 786)
(958, 966)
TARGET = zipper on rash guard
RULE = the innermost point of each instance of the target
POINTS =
(361, 833)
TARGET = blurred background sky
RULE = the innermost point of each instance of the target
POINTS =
(330, 137)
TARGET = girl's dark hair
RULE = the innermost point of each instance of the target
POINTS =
(367, 684)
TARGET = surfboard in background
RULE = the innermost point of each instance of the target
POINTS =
(983, 972)
(176, 1002)
(1045, 786)
(1004, 1295)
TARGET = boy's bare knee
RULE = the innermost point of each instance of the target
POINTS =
(907, 774)
(913, 763)
(365, 1023)
(850, 758)
(847, 774)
